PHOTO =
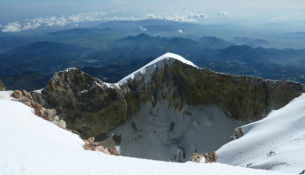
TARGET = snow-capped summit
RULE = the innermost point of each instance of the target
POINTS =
(155, 63)
(171, 56)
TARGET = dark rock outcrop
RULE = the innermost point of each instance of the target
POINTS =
(209, 157)
(89, 106)
(196, 157)
(242, 97)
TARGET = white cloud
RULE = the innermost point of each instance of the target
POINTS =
(84, 17)
(75, 19)
(180, 31)
(30, 25)
(54, 21)
(182, 18)
(143, 29)
(198, 16)
(188, 17)
(12, 27)
(119, 18)
(223, 14)
(280, 19)
(152, 16)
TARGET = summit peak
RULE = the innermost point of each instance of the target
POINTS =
(156, 61)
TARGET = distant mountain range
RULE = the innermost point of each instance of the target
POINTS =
(115, 49)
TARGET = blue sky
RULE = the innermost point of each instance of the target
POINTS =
(249, 12)
(21, 8)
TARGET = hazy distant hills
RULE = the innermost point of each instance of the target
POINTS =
(283, 57)
(154, 26)
(212, 42)
(44, 57)
(11, 41)
(251, 42)
(115, 49)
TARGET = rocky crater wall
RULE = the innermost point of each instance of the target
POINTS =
(166, 113)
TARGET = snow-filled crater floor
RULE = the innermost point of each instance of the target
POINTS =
(32, 146)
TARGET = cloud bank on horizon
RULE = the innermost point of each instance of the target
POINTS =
(53, 21)
(201, 11)
(78, 18)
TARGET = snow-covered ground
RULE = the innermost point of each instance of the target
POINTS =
(150, 67)
(163, 133)
(32, 146)
(275, 143)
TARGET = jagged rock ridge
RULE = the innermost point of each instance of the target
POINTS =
(166, 110)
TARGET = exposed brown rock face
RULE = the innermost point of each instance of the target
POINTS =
(89, 106)
(30, 99)
(209, 157)
(92, 108)
(244, 98)
(27, 99)
(2, 86)
(196, 157)
(91, 144)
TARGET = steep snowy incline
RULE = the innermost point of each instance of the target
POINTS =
(274, 143)
(153, 64)
(32, 146)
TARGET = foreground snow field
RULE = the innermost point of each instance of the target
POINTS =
(32, 146)
(275, 143)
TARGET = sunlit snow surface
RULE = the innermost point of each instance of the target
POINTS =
(276, 142)
(32, 146)
(153, 64)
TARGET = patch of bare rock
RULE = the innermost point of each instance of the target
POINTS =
(209, 157)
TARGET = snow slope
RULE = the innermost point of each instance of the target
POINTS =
(32, 146)
(274, 143)
(153, 64)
